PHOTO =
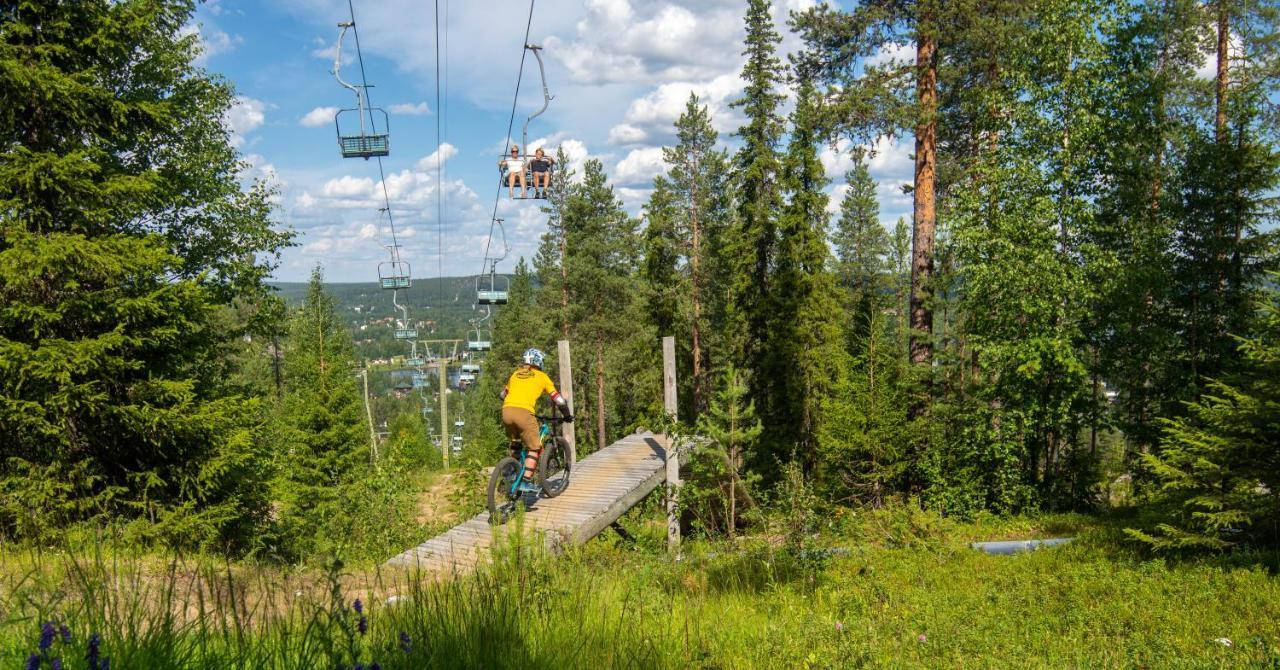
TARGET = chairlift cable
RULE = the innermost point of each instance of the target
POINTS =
(515, 99)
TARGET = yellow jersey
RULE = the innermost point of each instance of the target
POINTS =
(525, 386)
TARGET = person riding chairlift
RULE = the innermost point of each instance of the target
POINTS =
(515, 171)
(541, 168)
(519, 399)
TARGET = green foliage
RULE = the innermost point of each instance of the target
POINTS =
(127, 248)
(718, 484)
(1217, 469)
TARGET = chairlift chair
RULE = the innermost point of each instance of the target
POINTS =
(395, 275)
(362, 141)
(472, 368)
(406, 333)
(480, 339)
(415, 362)
(419, 380)
(495, 291)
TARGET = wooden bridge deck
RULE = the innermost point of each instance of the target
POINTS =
(602, 487)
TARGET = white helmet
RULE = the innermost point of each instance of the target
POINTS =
(534, 357)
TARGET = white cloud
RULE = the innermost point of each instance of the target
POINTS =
(1208, 68)
(211, 41)
(320, 116)
(245, 116)
(625, 133)
(347, 186)
(443, 154)
(410, 108)
(640, 166)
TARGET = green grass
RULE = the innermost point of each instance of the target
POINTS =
(898, 575)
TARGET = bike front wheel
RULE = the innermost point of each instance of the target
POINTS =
(554, 466)
(503, 497)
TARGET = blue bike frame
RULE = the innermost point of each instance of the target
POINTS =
(544, 431)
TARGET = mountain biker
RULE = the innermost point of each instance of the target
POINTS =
(519, 398)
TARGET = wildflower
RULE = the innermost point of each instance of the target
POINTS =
(95, 647)
(359, 666)
(65, 633)
(363, 626)
(839, 626)
(375, 666)
(33, 662)
(406, 644)
(47, 633)
(56, 664)
(921, 638)
(106, 664)
(358, 606)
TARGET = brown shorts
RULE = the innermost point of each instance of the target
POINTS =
(521, 425)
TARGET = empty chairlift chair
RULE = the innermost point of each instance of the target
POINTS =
(479, 339)
(361, 139)
(395, 275)
(406, 333)
(493, 289)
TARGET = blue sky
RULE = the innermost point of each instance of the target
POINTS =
(620, 72)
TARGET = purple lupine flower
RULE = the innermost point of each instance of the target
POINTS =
(33, 662)
(363, 625)
(106, 664)
(406, 644)
(56, 664)
(95, 647)
(358, 606)
(359, 666)
(375, 666)
(65, 633)
(47, 632)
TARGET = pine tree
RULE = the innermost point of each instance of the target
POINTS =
(325, 441)
(123, 226)
(599, 264)
(698, 180)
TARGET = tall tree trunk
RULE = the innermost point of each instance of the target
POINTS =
(925, 212)
(695, 264)
(1221, 138)
(600, 432)
(1220, 112)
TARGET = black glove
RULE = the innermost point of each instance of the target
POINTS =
(568, 418)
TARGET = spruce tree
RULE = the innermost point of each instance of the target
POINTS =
(861, 247)
(752, 241)
(721, 483)
(802, 350)
(1217, 471)
(123, 226)
(325, 441)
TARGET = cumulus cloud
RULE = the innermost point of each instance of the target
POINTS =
(320, 116)
(618, 42)
(439, 156)
(625, 133)
(245, 116)
(211, 41)
(410, 108)
(640, 166)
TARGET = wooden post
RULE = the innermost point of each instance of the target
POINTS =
(669, 402)
(445, 443)
(566, 390)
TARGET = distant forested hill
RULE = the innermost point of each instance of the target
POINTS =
(439, 308)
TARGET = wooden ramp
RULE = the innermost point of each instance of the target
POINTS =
(602, 487)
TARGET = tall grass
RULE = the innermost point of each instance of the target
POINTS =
(890, 589)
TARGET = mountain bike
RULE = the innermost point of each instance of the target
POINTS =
(507, 487)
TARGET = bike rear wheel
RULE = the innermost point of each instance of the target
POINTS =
(502, 501)
(554, 466)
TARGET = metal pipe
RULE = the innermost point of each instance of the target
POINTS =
(1018, 546)
(546, 95)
